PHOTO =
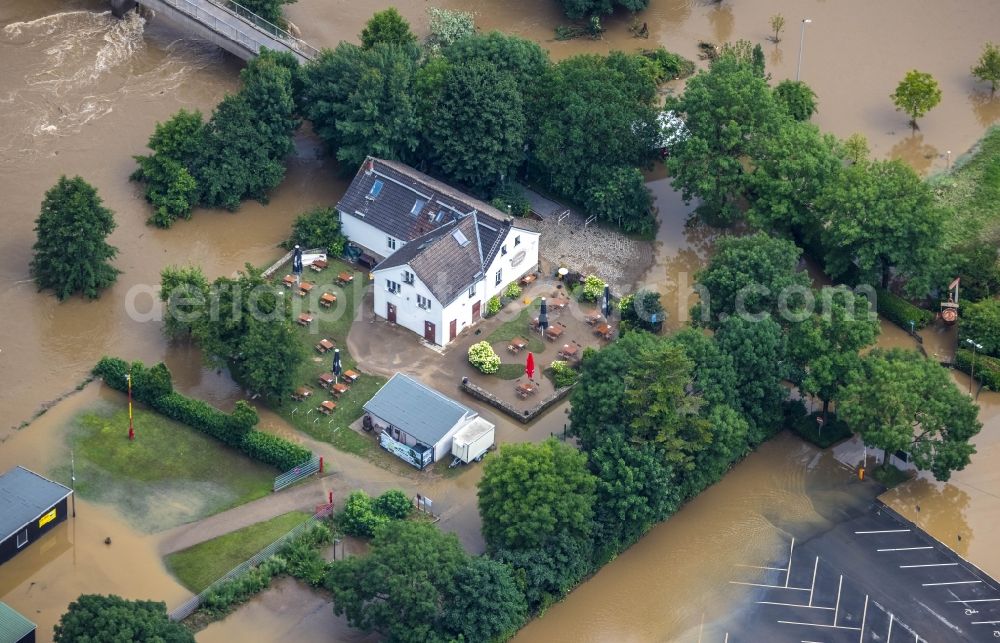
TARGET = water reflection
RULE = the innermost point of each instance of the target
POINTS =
(776, 57)
(722, 21)
(913, 151)
(938, 508)
(985, 106)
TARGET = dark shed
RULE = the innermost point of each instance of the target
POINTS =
(30, 505)
(14, 628)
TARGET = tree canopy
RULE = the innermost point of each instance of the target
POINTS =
(576, 9)
(269, 10)
(987, 68)
(170, 187)
(484, 602)
(318, 228)
(184, 292)
(523, 59)
(797, 99)
(71, 251)
(917, 94)
(902, 401)
(387, 27)
(93, 618)
(980, 322)
(531, 493)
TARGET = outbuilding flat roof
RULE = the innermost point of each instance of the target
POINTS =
(25, 496)
(422, 412)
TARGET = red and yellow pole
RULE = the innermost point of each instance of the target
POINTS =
(131, 429)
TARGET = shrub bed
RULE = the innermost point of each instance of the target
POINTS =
(483, 357)
(154, 387)
(901, 312)
(987, 368)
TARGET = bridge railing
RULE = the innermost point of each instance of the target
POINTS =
(251, 41)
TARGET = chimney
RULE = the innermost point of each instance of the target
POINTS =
(369, 165)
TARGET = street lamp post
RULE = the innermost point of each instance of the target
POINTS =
(802, 37)
(972, 371)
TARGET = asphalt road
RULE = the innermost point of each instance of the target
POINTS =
(872, 577)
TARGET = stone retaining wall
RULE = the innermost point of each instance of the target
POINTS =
(523, 416)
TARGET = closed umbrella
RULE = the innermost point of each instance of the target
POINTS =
(337, 368)
(606, 302)
(297, 261)
(529, 367)
(543, 316)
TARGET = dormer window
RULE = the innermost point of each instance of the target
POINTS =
(417, 206)
(376, 188)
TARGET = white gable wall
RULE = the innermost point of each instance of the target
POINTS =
(408, 313)
(519, 261)
(367, 236)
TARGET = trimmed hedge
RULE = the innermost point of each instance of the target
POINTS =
(900, 312)
(154, 387)
(987, 368)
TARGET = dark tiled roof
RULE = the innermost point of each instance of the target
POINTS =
(402, 187)
(24, 496)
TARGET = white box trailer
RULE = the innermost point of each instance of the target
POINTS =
(473, 440)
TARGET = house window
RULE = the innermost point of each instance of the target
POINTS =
(499, 276)
(407, 277)
(503, 249)
(391, 243)
(423, 302)
(376, 188)
(392, 286)
(517, 240)
(472, 291)
(22, 538)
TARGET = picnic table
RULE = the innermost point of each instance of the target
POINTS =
(593, 318)
(327, 299)
(326, 407)
(569, 351)
(305, 319)
(326, 379)
(525, 389)
(604, 330)
(288, 281)
(340, 388)
(324, 345)
(517, 344)
(304, 288)
(301, 393)
(559, 301)
(554, 331)
(528, 279)
(351, 376)
(345, 278)
(319, 265)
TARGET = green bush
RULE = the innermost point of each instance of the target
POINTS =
(510, 199)
(987, 368)
(667, 65)
(593, 288)
(394, 504)
(482, 356)
(318, 228)
(980, 322)
(512, 291)
(901, 312)
(807, 428)
(303, 556)
(275, 451)
(220, 600)
(493, 306)
(359, 517)
(563, 374)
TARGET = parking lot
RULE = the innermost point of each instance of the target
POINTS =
(871, 577)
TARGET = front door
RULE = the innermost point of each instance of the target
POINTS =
(391, 313)
(453, 330)
(476, 311)
(429, 333)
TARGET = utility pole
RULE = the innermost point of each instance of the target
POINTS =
(972, 371)
(72, 479)
(131, 429)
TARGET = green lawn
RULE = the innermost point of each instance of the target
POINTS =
(518, 327)
(169, 475)
(333, 428)
(971, 191)
(510, 371)
(198, 567)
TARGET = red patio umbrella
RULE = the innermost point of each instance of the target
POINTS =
(529, 367)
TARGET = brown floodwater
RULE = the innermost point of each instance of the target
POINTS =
(80, 94)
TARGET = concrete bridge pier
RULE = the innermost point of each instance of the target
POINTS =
(120, 7)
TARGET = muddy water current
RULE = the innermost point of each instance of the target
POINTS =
(80, 93)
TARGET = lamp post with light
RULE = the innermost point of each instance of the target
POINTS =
(972, 371)
(802, 37)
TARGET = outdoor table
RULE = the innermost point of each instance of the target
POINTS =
(559, 301)
(518, 343)
(301, 393)
(319, 265)
(533, 324)
(326, 379)
(525, 389)
(593, 318)
(345, 278)
(327, 299)
(553, 332)
(569, 350)
(324, 345)
(326, 406)
(351, 376)
(604, 330)
(340, 388)
(304, 288)
(305, 319)
(529, 278)
(289, 281)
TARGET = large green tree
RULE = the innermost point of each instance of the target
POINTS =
(577, 9)
(93, 618)
(318, 228)
(269, 10)
(363, 102)
(531, 493)
(917, 94)
(987, 68)
(477, 128)
(249, 136)
(270, 353)
(714, 376)
(729, 112)
(797, 98)
(753, 276)
(825, 346)
(880, 216)
(523, 59)
(399, 589)
(170, 186)
(184, 292)
(484, 602)
(71, 251)
(387, 27)
(980, 322)
(902, 401)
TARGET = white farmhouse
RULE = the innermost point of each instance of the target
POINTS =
(439, 254)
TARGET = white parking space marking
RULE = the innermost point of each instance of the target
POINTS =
(788, 572)
(864, 617)
(985, 622)
(808, 607)
(836, 627)
(929, 565)
(904, 548)
(957, 582)
(977, 600)
(797, 589)
(812, 588)
(777, 569)
(884, 531)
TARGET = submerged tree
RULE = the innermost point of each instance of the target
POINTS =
(387, 27)
(71, 253)
(917, 94)
(987, 69)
